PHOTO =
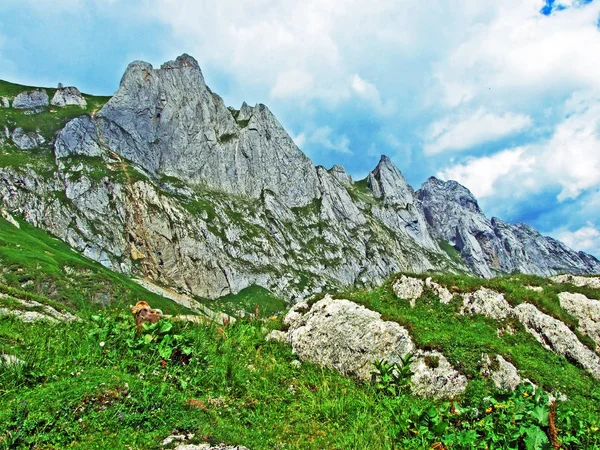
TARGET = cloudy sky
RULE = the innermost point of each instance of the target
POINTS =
(502, 96)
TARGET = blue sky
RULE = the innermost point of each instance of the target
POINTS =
(504, 96)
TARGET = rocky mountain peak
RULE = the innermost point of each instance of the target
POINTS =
(388, 183)
(169, 122)
(450, 191)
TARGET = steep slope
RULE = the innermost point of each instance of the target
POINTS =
(492, 247)
(166, 182)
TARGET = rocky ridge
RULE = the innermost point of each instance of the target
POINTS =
(166, 182)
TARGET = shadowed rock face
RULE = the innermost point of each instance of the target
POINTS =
(493, 246)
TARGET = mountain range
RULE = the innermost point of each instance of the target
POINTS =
(164, 181)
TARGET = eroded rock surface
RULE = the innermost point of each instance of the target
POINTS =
(408, 288)
(26, 140)
(504, 374)
(487, 302)
(493, 246)
(592, 282)
(557, 337)
(67, 96)
(31, 99)
(349, 338)
(586, 310)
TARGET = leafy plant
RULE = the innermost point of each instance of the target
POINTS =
(392, 378)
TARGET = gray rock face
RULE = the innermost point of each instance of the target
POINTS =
(556, 336)
(349, 338)
(79, 137)
(388, 183)
(26, 140)
(65, 96)
(242, 205)
(31, 99)
(584, 309)
(492, 246)
(168, 121)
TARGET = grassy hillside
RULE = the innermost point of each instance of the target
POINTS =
(98, 384)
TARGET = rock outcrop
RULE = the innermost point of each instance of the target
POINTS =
(26, 140)
(31, 99)
(556, 336)
(503, 374)
(591, 282)
(586, 311)
(492, 247)
(349, 338)
(67, 96)
(487, 302)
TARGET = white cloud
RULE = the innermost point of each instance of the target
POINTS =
(570, 159)
(481, 175)
(522, 52)
(324, 137)
(291, 83)
(585, 239)
(368, 92)
(464, 131)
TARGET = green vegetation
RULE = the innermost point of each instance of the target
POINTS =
(247, 300)
(99, 384)
(50, 119)
(359, 191)
(35, 265)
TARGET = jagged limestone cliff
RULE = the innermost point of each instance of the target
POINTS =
(166, 182)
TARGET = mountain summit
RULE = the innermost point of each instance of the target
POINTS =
(164, 181)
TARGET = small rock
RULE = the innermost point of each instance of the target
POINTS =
(535, 288)
(408, 288)
(296, 364)
(31, 99)
(10, 360)
(487, 302)
(68, 96)
(26, 140)
(443, 293)
(277, 336)
(503, 374)
(5, 102)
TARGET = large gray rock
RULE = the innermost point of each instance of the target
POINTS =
(31, 99)
(492, 247)
(26, 140)
(487, 302)
(349, 338)
(66, 96)
(585, 310)
(557, 337)
(79, 137)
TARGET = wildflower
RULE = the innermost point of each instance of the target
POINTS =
(525, 394)
(102, 344)
(489, 410)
